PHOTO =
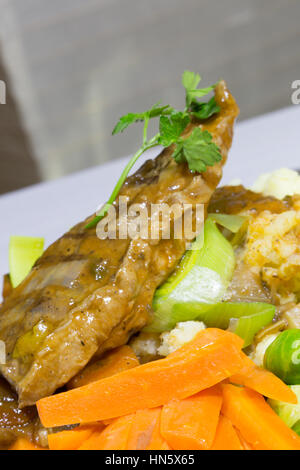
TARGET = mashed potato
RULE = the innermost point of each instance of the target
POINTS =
(145, 346)
(151, 346)
(279, 183)
(181, 334)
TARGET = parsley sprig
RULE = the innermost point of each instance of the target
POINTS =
(197, 150)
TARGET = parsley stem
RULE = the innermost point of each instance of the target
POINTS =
(146, 146)
(146, 122)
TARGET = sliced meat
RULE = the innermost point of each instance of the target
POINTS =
(7, 287)
(236, 199)
(14, 422)
(86, 295)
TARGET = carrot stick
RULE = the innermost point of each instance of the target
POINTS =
(244, 443)
(257, 422)
(226, 437)
(263, 381)
(72, 439)
(191, 424)
(113, 362)
(157, 442)
(24, 444)
(92, 443)
(212, 356)
(114, 437)
(142, 428)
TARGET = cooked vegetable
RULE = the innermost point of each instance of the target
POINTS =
(198, 411)
(212, 356)
(296, 428)
(114, 437)
(247, 326)
(257, 422)
(24, 444)
(143, 425)
(289, 413)
(263, 381)
(113, 362)
(157, 442)
(245, 444)
(202, 276)
(282, 357)
(226, 437)
(232, 222)
(191, 423)
(248, 317)
(71, 439)
(23, 253)
(197, 149)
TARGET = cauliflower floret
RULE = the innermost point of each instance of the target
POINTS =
(258, 354)
(181, 334)
(145, 346)
(279, 183)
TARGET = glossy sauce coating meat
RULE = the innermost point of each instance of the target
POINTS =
(85, 295)
(13, 421)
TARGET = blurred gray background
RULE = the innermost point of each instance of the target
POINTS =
(73, 67)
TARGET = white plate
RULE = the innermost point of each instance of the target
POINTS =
(49, 209)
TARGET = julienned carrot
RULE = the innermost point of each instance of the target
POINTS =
(257, 422)
(72, 439)
(191, 423)
(113, 362)
(142, 428)
(263, 382)
(24, 444)
(114, 437)
(212, 356)
(244, 443)
(226, 437)
(157, 442)
(92, 443)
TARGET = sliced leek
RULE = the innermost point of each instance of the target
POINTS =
(23, 253)
(289, 413)
(244, 319)
(232, 222)
(202, 276)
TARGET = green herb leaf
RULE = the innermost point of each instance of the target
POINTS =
(205, 110)
(131, 118)
(190, 81)
(198, 150)
(171, 127)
